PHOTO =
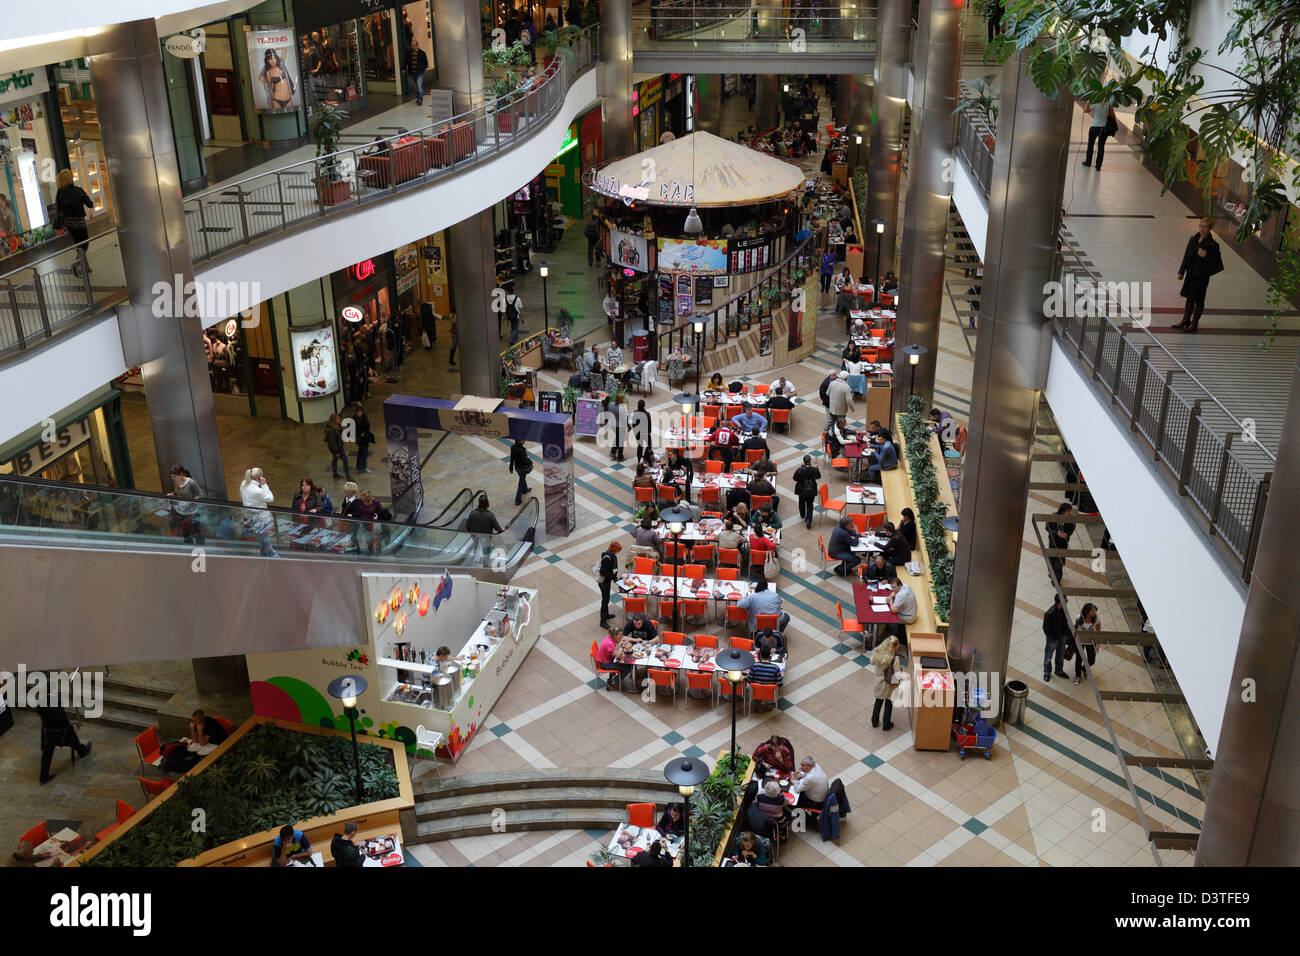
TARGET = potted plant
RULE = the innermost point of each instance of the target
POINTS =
(326, 127)
(499, 61)
(569, 398)
(981, 98)
(505, 91)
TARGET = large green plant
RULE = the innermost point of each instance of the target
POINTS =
(326, 128)
(930, 509)
(714, 807)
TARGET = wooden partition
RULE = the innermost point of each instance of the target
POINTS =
(373, 819)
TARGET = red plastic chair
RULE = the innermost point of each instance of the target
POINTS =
(641, 814)
(763, 692)
(226, 725)
(712, 467)
(711, 496)
(859, 522)
(699, 680)
(726, 689)
(704, 554)
(728, 574)
(153, 788)
(752, 455)
(729, 558)
(635, 605)
(105, 833)
(781, 416)
(742, 643)
(644, 565)
(605, 672)
(693, 571)
(147, 747)
(740, 465)
(673, 637)
(643, 494)
(706, 640)
(124, 811)
(695, 611)
(762, 621)
(829, 503)
(36, 835)
(664, 680)
(760, 501)
(848, 625)
(876, 520)
(736, 616)
(667, 493)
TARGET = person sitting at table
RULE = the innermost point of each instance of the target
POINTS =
(716, 384)
(750, 850)
(726, 441)
(762, 466)
(886, 458)
(783, 386)
(343, 847)
(776, 754)
(378, 147)
(291, 846)
(613, 356)
(586, 361)
(749, 420)
(760, 546)
(647, 510)
(836, 439)
(889, 284)
(763, 600)
(26, 854)
(641, 629)
(895, 548)
(678, 463)
(879, 571)
(777, 401)
(605, 654)
(902, 603)
(755, 442)
(673, 821)
(810, 782)
(645, 536)
(843, 539)
(851, 353)
(907, 528)
(774, 641)
(735, 498)
(642, 479)
(653, 856)
(771, 804)
(442, 655)
(767, 517)
(765, 672)
(730, 537)
(761, 486)
(878, 430)
(681, 502)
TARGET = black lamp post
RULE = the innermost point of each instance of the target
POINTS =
(676, 519)
(875, 286)
(348, 689)
(686, 773)
(698, 326)
(913, 353)
(735, 662)
(544, 271)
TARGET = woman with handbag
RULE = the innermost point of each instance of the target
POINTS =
(365, 437)
(70, 204)
(884, 660)
(1087, 621)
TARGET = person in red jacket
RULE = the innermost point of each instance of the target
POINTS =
(726, 440)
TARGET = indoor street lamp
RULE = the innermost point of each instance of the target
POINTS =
(675, 520)
(950, 524)
(857, 150)
(875, 286)
(913, 353)
(698, 326)
(735, 662)
(347, 690)
(544, 271)
(686, 773)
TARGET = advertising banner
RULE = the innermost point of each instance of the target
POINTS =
(629, 251)
(315, 361)
(702, 256)
(273, 65)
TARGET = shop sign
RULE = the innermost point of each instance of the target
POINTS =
(651, 91)
(42, 454)
(23, 85)
(353, 314)
(610, 186)
(232, 327)
(471, 421)
(407, 280)
(362, 270)
(187, 46)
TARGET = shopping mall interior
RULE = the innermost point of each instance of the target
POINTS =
(806, 408)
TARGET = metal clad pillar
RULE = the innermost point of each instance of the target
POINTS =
(767, 102)
(473, 277)
(131, 96)
(1252, 813)
(708, 87)
(615, 77)
(887, 132)
(929, 186)
(458, 47)
(1011, 357)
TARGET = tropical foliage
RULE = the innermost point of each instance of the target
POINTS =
(270, 777)
(930, 509)
(714, 806)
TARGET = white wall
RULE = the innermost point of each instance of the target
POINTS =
(1195, 605)
(54, 377)
(971, 203)
(34, 21)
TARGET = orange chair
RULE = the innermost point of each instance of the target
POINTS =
(594, 867)
(829, 503)
(667, 493)
(826, 558)
(641, 815)
(876, 520)
(664, 680)
(707, 423)
(739, 465)
(712, 467)
(728, 574)
(674, 637)
(726, 689)
(711, 411)
(643, 494)
(635, 605)
(645, 565)
(153, 788)
(706, 640)
(36, 835)
(606, 672)
(693, 571)
(226, 725)
(666, 609)
(674, 553)
(124, 811)
(742, 643)
(699, 680)
(711, 496)
(763, 692)
(760, 389)
(752, 455)
(764, 621)
(871, 355)
(705, 554)
(712, 514)
(730, 558)
(105, 833)
(736, 616)
(695, 609)
(849, 625)
(147, 747)
(859, 522)
(781, 416)
(760, 501)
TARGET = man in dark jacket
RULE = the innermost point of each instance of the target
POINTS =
(417, 61)
(57, 731)
(592, 232)
(606, 576)
(1058, 536)
(1201, 259)
(342, 848)
(824, 392)
(429, 324)
(520, 465)
(482, 524)
(1057, 630)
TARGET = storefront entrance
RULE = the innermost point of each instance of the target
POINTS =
(85, 443)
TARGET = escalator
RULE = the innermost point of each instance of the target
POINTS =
(108, 575)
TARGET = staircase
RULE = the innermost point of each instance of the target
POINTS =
(130, 706)
(583, 798)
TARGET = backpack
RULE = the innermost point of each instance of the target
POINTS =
(512, 309)
(591, 232)
(595, 566)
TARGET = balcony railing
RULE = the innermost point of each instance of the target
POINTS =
(688, 24)
(282, 199)
(975, 141)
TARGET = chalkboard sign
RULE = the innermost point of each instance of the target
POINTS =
(549, 401)
(587, 421)
(684, 284)
(666, 310)
(704, 290)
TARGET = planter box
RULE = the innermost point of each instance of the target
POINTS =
(332, 192)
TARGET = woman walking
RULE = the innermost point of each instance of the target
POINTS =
(334, 442)
(70, 203)
(365, 437)
(806, 477)
(884, 660)
(1086, 621)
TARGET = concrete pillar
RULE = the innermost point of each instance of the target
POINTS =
(887, 132)
(858, 120)
(1010, 364)
(767, 101)
(1252, 813)
(708, 89)
(929, 186)
(615, 77)
(459, 46)
(473, 277)
(131, 96)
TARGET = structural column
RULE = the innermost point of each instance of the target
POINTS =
(929, 187)
(1010, 366)
(767, 102)
(458, 43)
(473, 277)
(887, 133)
(1252, 814)
(615, 77)
(131, 95)
(708, 89)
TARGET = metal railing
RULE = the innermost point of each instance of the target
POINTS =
(42, 297)
(975, 142)
(669, 26)
(240, 213)
(736, 314)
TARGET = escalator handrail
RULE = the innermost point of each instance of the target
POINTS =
(434, 521)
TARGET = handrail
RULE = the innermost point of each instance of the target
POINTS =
(238, 213)
(678, 22)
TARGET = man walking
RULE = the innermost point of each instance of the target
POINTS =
(1097, 132)
(417, 61)
(592, 232)
(827, 267)
(1057, 630)
(1201, 259)
(514, 308)
(520, 465)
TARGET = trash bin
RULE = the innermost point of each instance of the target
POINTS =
(444, 694)
(1014, 696)
(640, 346)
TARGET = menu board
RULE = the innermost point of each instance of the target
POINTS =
(704, 290)
(587, 417)
(749, 254)
(549, 401)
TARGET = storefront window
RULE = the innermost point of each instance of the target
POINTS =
(225, 360)
(331, 63)
(80, 452)
(377, 34)
(28, 161)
